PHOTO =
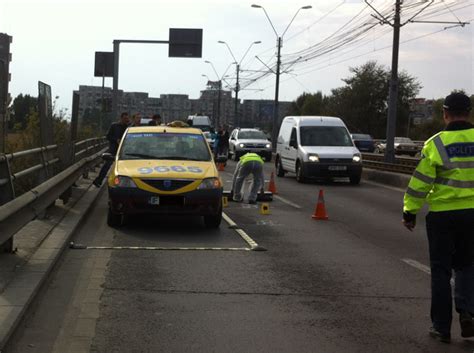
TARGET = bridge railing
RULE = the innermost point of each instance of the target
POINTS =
(34, 179)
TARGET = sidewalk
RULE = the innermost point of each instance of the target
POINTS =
(39, 245)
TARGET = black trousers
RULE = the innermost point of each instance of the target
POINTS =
(451, 244)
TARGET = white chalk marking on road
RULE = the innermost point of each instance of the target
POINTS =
(162, 248)
(420, 267)
(417, 265)
(253, 244)
(288, 202)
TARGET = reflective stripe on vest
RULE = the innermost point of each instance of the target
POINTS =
(455, 183)
(418, 194)
(422, 177)
(447, 164)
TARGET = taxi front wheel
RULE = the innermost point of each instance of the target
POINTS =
(213, 221)
(113, 219)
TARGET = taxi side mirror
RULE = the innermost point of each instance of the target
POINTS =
(108, 157)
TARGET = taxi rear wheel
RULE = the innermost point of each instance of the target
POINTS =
(114, 219)
(213, 221)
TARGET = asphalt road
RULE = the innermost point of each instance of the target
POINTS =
(354, 283)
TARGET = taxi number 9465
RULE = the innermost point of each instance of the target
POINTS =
(164, 169)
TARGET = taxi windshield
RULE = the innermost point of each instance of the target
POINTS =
(182, 146)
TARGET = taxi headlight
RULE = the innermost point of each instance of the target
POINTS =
(210, 183)
(124, 182)
(357, 158)
(241, 145)
(268, 145)
(313, 158)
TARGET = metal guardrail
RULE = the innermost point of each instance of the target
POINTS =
(404, 165)
(52, 178)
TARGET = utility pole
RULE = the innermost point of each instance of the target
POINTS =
(236, 103)
(275, 102)
(218, 104)
(393, 90)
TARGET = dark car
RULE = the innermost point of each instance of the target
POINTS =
(364, 142)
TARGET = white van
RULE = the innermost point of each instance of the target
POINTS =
(317, 147)
(200, 122)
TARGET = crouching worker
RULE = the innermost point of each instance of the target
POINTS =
(250, 163)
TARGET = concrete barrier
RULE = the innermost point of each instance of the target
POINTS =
(397, 180)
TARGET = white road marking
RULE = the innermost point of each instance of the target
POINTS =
(288, 202)
(421, 267)
(253, 244)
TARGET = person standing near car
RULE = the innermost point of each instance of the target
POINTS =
(136, 120)
(155, 120)
(114, 135)
(444, 178)
(249, 163)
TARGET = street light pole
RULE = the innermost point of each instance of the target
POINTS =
(277, 73)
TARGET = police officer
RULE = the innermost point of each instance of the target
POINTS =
(445, 179)
(114, 135)
(250, 163)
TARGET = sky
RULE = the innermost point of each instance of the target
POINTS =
(54, 41)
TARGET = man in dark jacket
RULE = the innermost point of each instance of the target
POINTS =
(114, 135)
(155, 120)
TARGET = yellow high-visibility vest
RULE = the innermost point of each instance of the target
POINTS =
(251, 157)
(444, 177)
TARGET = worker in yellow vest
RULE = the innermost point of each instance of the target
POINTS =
(249, 163)
(445, 179)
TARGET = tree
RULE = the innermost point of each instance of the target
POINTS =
(309, 104)
(22, 107)
(363, 101)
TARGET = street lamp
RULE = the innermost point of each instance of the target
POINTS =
(237, 87)
(277, 73)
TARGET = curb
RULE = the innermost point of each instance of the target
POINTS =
(397, 180)
(22, 290)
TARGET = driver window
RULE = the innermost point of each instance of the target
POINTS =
(293, 139)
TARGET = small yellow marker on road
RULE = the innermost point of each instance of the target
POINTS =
(264, 208)
(225, 201)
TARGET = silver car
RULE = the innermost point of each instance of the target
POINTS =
(242, 141)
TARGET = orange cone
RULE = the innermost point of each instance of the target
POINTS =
(271, 186)
(220, 167)
(320, 211)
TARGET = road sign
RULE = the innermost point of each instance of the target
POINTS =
(45, 105)
(104, 64)
(185, 43)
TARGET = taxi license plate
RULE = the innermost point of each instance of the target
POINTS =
(337, 167)
(154, 200)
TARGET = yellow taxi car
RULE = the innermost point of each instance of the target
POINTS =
(164, 170)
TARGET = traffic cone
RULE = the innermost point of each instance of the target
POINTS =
(320, 211)
(220, 167)
(264, 208)
(271, 185)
